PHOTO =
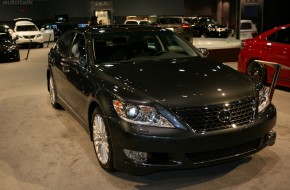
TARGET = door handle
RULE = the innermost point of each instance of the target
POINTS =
(64, 64)
(65, 70)
(267, 47)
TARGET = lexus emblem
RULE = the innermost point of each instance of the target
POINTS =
(224, 116)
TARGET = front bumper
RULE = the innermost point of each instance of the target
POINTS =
(12, 55)
(185, 149)
(24, 41)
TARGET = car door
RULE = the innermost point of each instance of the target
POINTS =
(74, 68)
(59, 52)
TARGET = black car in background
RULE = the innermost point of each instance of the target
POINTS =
(8, 48)
(151, 101)
(204, 26)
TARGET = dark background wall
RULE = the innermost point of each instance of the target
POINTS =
(10, 10)
(41, 11)
(74, 8)
(275, 12)
(148, 7)
(204, 7)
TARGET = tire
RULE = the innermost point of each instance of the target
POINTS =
(257, 70)
(52, 93)
(101, 141)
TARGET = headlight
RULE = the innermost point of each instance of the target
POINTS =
(264, 99)
(140, 114)
(18, 36)
(38, 35)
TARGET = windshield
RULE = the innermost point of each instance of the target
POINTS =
(23, 28)
(133, 46)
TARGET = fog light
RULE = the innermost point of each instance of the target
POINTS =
(270, 138)
(136, 156)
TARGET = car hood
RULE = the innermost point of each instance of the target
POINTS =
(28, 33)
(176, 82)
(4, 43)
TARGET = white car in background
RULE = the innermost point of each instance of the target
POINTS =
(137, 22)
(48, 34)
(27, 32)
(247, 29)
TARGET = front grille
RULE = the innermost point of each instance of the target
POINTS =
(29, 36)
(225, 153)
(203, 119)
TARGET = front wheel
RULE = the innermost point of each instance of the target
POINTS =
(257, 70)
(102, 141)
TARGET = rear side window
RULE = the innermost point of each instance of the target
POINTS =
(282, 36)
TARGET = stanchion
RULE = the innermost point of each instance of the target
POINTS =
(277, 68)
(29, 46)
(48, 40)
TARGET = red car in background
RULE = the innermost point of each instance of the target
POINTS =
(272, 45)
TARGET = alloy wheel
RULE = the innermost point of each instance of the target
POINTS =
(100, 139)
(257, 70)
(51, 91)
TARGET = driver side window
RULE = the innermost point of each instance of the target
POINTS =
(65, 44)
(78, 49)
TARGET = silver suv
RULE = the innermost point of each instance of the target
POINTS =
(137, 22)
(176, 24)
(248, 29)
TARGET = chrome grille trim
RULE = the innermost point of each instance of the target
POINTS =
(29, 36)
(203, 119)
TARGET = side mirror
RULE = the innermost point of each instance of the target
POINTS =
(204, 51)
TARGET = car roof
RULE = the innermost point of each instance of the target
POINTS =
(132, 21)
(118, 28)
(250, 21)
(4, 26)
(18, 23)
(22, 19)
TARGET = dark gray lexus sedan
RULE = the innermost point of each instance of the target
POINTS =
(150, 101)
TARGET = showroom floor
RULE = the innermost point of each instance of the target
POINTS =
(46, 149)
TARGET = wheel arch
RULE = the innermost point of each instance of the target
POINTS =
(93, 105)
(101, 103)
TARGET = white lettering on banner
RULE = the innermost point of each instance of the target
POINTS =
(18, 2)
